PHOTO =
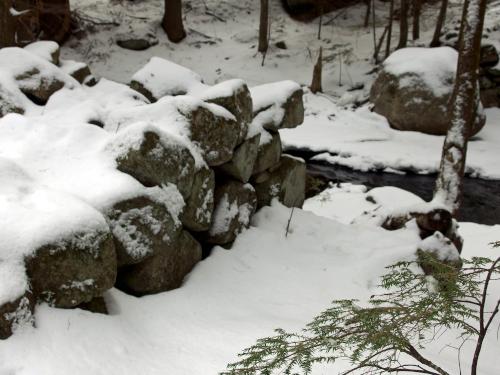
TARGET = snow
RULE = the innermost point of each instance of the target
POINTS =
(363, 140)
(162, 77)
(434, 66)
(441, 246)
(267, 280)
(269, 94)
(44, 49)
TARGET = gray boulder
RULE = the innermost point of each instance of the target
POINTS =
(15, 314)
(242, 164)
(269, 152)
(136, 42)
(163, 271)
(278, 105)
(235, 203)
(286, 181)
(417, 101)
(197, 213)
(10, 102)
(155, 163)
(141, 228)
(73, 271)
(78, 70)
(217, 135)
(234, 96)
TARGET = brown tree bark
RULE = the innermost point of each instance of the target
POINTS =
(172, 21)
(19, 22)
(417, 9)
(463, 107)
(316, 85)
(439, 24)
(55, 19)
(389, 30)
(403, 25)
(264, 26)
(368, 12)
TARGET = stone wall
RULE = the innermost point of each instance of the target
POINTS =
(224, 164)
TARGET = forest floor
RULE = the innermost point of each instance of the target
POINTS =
(268, 279)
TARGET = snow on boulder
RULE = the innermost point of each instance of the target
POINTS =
(153, 158)
(163, 271)
(46, 49)
(12, 99)
(160, 77)
(64, 242)
(36, 77)
(414, 87)
(199, 206)
(142, 226)
(208, 130)
(278, 105)
(235, 203)
(234, 96)
(16, 314)
(286, 182)
(79, 71)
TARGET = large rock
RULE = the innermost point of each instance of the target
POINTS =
(141, 228)
(414, 88)
(278, 105)
(489, 56)
(242, 164)
(154, 163)
(15, 314)
(197, 213)
(286, 181)
(216, 134)
(234, 96)
(235, 203)
(269, 152)
(69, 272)
(163, 271)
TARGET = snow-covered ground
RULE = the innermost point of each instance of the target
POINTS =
(269, 279)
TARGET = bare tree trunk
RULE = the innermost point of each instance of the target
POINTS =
(368, 11)
(19, 22)
(317, 74)
(264, 26)
(463, 109)
(379, 45)
(417, 8)
(55, 19)
(439, 24)
(389, 30)
(321, 9)
(7, 27)
(172, 21)
(403, 25)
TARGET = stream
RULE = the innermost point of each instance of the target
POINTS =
(481, 199)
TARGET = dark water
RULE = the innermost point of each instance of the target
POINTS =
(481, 201)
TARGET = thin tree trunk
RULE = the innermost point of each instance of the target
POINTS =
(403, 25)
(172, 21)
(320, 19)
(317, 74)
(374, 29)
(264, 26)
(368, 11)
(389, 30)
(417, 8)
(463, 107)
(379, 45)
(7, 27)
(439, 24)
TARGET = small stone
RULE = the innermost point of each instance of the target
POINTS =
(197, 214)
(269, 152)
